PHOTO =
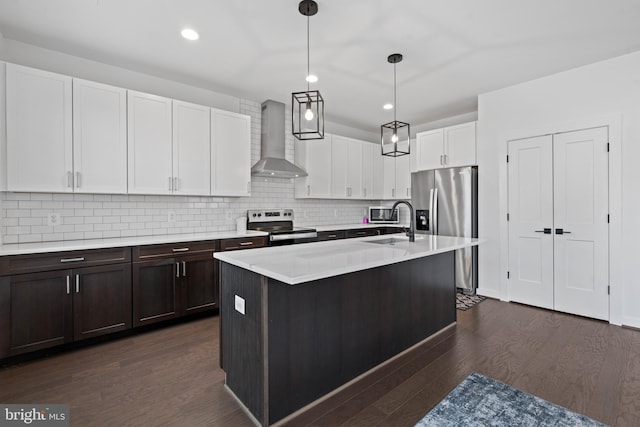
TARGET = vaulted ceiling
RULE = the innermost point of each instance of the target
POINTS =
(453, 50)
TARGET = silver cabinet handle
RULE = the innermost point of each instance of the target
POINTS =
(446, 159)
(77, 283)
(308, 190)
(441, 159)
(179, 249)
(77, 179)
(69, 179)
(364, 192)
(175, 183)
(246, 243)
(170, 184)
(332, 236)
(184, 269)
(249, 187)
(393, 193)
(177, 269)
(72, 259)
(67, 284)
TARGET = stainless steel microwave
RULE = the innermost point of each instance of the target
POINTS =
(383, 215)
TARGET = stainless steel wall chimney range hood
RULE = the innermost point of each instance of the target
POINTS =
(272, 163)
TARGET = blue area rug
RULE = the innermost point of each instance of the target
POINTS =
(482, 401)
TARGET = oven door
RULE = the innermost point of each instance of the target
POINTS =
(281, 239)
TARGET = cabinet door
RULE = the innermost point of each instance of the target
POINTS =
(315, 158)
(354, 168)
(389, 186)
(429, 149)
(150, 144)
(155, 296)
(339, 161)
(368, 151)
(99, 138)
(101, 300)
(39, 130)
(460, 145)
(41, 314)
(191, 149)
(403, 177)
(230, 154)
(379, 181)
(198, 283)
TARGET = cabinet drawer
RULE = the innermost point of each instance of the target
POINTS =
(331, 235)
(243, 243)
(17, 264)
(172, 249)
(362, 232)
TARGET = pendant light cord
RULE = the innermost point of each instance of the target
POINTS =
(308, 69)
(395, 103)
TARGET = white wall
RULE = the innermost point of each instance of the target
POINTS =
(608, 93)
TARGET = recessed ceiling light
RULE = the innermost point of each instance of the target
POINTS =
(190, 34)
(311, 78)
(387, 106)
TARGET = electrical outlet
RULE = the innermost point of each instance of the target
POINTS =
(239, 304)
(171, 216)
(53, 219)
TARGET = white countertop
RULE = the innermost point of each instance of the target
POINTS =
(312, 261)
(78, 245)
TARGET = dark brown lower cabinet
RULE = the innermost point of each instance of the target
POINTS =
(166, 288)
(50, 308)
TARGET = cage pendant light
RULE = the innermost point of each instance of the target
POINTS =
(307, 108)
(395, 135)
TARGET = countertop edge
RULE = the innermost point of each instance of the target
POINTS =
(230, 258)
(79, 245)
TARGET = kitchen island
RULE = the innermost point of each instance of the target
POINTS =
(298, 322)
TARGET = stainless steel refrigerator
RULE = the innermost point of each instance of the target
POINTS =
(446, 204)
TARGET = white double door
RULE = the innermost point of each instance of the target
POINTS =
(558, 222)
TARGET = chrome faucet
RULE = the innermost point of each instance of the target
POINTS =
(412, 232)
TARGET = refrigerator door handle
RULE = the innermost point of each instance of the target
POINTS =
(431, 211)
(435, 212)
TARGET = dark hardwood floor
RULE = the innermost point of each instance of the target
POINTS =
(171, 376)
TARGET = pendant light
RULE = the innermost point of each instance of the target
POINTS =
(395, 135)
(307, 108)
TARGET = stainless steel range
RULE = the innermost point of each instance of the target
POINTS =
(279, 224)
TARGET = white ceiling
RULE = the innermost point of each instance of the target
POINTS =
(453, 49)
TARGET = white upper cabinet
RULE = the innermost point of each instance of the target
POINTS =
(447, 147)
(39, 130)
(403, 177)
(150, 144)
(99, 138)
(429, 149)
(346, 167)
(379, 181)
(368, 167)
(191, 149)
(389, 177)
(314, 156)
(460, 145)
(230, 153)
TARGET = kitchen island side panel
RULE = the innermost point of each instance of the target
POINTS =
(324, 333)
(242, 336)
